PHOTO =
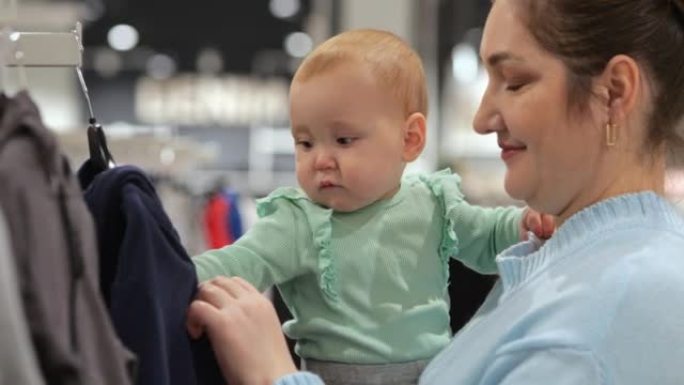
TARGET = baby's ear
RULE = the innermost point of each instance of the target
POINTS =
(414, 136)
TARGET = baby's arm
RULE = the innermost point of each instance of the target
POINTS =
(483, 232)
(265, 255)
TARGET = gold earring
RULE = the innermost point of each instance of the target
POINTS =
(611, 134)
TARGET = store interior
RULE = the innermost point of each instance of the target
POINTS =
(196, 94)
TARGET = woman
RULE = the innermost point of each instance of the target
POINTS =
(585, 98)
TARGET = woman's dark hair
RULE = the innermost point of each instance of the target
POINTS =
(586, 34)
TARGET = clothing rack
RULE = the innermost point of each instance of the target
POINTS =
(50, 49)
(37, 49)
(43, 49)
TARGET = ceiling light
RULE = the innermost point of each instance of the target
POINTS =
(107, 63)
(298, 44)
(122, 37)
(160, 66)
(209, 61)
(464, 63)
(284, 9)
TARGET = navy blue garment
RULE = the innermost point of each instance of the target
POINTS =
(147, 279)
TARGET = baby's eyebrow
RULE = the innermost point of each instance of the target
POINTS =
(300, 130)
(342, 125)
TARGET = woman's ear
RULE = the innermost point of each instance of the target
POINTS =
(622, 79)
(414, 136)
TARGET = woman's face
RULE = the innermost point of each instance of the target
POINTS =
(552, 151)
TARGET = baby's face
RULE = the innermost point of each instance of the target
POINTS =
(349, 138)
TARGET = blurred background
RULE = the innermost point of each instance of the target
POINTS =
(195, 92)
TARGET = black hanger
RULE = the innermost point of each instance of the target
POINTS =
(100, 157)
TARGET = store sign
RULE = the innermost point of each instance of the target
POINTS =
(212, 100)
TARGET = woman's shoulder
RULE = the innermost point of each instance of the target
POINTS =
(658, 256)
(639, 271)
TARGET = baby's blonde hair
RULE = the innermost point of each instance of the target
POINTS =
(394, 63)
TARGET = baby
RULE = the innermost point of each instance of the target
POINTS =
(360, 254)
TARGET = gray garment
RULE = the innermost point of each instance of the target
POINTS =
(53, 243)
(17, 359)
(334, 373)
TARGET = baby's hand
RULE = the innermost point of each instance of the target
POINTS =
(542, 225)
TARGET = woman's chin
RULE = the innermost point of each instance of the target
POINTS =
(515, 190)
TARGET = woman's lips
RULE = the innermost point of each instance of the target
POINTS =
(507, 152)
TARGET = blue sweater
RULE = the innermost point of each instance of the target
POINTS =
(602, 302)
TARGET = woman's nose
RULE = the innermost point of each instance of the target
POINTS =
(487, 119)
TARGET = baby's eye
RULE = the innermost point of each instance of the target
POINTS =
(304, 144)
(345, 141)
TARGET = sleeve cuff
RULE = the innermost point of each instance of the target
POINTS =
(299, 378)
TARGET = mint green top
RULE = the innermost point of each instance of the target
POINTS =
(370, 286)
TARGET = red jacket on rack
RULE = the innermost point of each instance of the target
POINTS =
(216, 222)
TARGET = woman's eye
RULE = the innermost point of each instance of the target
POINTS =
(514, 87)
(515, 83)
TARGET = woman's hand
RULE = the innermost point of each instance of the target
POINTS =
(244, 331)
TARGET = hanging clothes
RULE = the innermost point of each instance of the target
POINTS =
(217, 221)
(147, 279)
(53, 244)
(18, 363)
(234, 216)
